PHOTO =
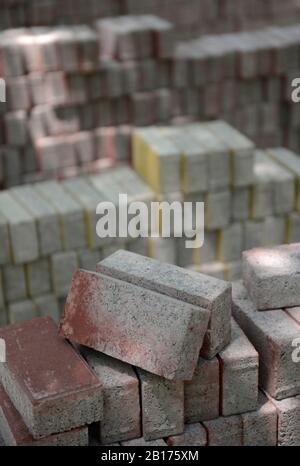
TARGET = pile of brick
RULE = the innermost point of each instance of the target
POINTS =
(250, 196)
(75, 92)
(266, 306)
(168, 363)
(198, 17)
(48, 229)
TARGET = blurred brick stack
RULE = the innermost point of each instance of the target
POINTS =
(191, 17)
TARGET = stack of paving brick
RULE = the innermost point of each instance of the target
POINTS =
(266, 306)
(198, 17)
(48, 229)
(250, 196)
(48, 394)
(67, 109)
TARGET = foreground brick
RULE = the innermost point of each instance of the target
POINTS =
(194, 435)
(260, 426)
(47, 380)
(162, 406)
(14, 432)
(121, 401)
(225, 431)
(272, 334)
(154, 332)
(288, 411)
(239, 379)
(201, 394)
(191, 287)
(271, 276)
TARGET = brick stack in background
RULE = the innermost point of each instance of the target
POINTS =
(191, 18)
(48, 229)
(250, 195)
(75, 93)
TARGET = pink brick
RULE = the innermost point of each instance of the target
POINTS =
(152, 331)
(15, 433)
(202, 393)
(48, 382)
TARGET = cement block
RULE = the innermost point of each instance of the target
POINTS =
(201, 394)
(231, 242)
(140, 322)
(239, 379)
(15, 433)
(260, 426)
(162, 406)
(22, 310)
(191, 287)
(63, 265)
(121, 418)
(214, 269)
(217, 210)
(240, 204)
(4, 240)
(194, 436)
(288, 412)
(38, 277)
(47, 305)
(76, 397)
(255, 234)
(14, 283)
(225, 431)
(22, 229)
(271, 276)
(241, 152)
(272, 334)
(70, 212)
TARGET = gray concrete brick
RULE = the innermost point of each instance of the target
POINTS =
(141, 442)
(217, 209)
(4, 240)
(70, 212)
(201, 394)
(225, 431)
(203, 291)
(134, 324)
(14, 283)
(38, 277)
(231, 242)
(162, 406)
(272, 334)
(47, 305)
(260, 426)
(288, 412)
(22, 229)
(271, 276)
(46, 217)
(239, 379)
(240, 204)
(121, 418)
(63, 265)
(22, 310)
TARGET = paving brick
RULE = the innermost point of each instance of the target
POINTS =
(22, 229)
(47, 305)
(239, 374)
(14, 283)
(206, 292)
(214, 269)
(276, 230)
(233, 271)
(288, 411)
(16, 128)
(70, 212)
(121, 418)
(38, 277)
(201, 394)
(260, 426)
(75, 399)
(270, 276)
(4, 240)
(47, 219)
(162, 406)
(272, 334)
(193, 435)
(15, 433)
(121, 327)
(63, 265)
(218, 156)
(241, 151)
(22, 310)
(141, 442)
(225, 431)
(255, 234)
(217, 209)
(231, 242)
